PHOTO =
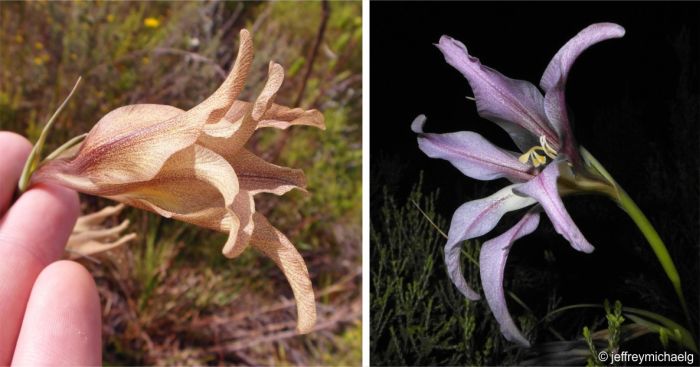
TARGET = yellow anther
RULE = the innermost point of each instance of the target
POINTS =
(536, 158)
(525, 156)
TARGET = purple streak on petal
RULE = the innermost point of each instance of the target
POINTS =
(555, 108)
(553, 80)
(515, 105)
(543, 188)
(474, 219)
(558, 68)
(472, 154)
(492, 264)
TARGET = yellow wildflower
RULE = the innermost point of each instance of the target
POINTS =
(110, 18)
(39, 46)
(151, 22)
(38, 60)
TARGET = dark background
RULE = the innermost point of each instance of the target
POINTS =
(634, 105)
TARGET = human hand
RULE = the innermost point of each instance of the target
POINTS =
(49, 309)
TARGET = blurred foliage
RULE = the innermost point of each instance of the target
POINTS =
(171, 297)
(418, 316)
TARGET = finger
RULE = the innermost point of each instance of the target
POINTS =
(33, 234)
(62, 325)
(14, 150)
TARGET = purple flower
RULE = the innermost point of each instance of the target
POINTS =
(550, 164)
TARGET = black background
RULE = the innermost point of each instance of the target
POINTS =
(634, 105)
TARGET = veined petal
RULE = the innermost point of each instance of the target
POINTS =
(276, 116)
(558, 68)
(474, 219)
(271, 242)
(515, 105)
(131, 143)
(215, 107)
(127, 145)
(553, 81)
(229, 135)
(282, 117)
(256, 175)
(264, 101)
(196, 185)
(492, 265)
(555, 108)
(473, 155)
(543, 188)
(244, 209)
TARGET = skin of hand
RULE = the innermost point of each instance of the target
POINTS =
(49, 309)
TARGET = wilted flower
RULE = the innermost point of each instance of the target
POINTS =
(91, 236)
(550, 164)
(191, 166)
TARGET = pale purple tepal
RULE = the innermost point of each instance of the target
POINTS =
(539, 126)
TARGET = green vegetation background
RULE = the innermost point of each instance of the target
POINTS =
(170, 297)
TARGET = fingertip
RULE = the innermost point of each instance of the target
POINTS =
(11, 140)
(62, 324)
(41, 220)
(14, 150)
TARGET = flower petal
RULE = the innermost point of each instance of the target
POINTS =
(558, 69)
(131, 144)
(215, 107)
(229, 135)
(553, 80)
(257, 175)
(244, 208)
(264, 101)
(127, 145)
(473, 155)
(96, 233)
(93, 247)
(282, 117)
(196, 185)
(474, 219)
(492, 265)
(515, 105)
(543, 188)
(88, 221)
(271, 242)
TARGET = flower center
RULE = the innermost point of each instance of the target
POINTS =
(537, 158)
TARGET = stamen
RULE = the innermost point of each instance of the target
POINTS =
(536, 158)
(548, 150)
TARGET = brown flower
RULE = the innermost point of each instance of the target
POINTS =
(91, 236)
(191, 166)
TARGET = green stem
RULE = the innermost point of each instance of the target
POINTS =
(636, 214)
(35, 155)
(657, 245)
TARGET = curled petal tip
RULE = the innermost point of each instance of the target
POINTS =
(543, 188)
(492, 261)
(417, 124)
(613, 29)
